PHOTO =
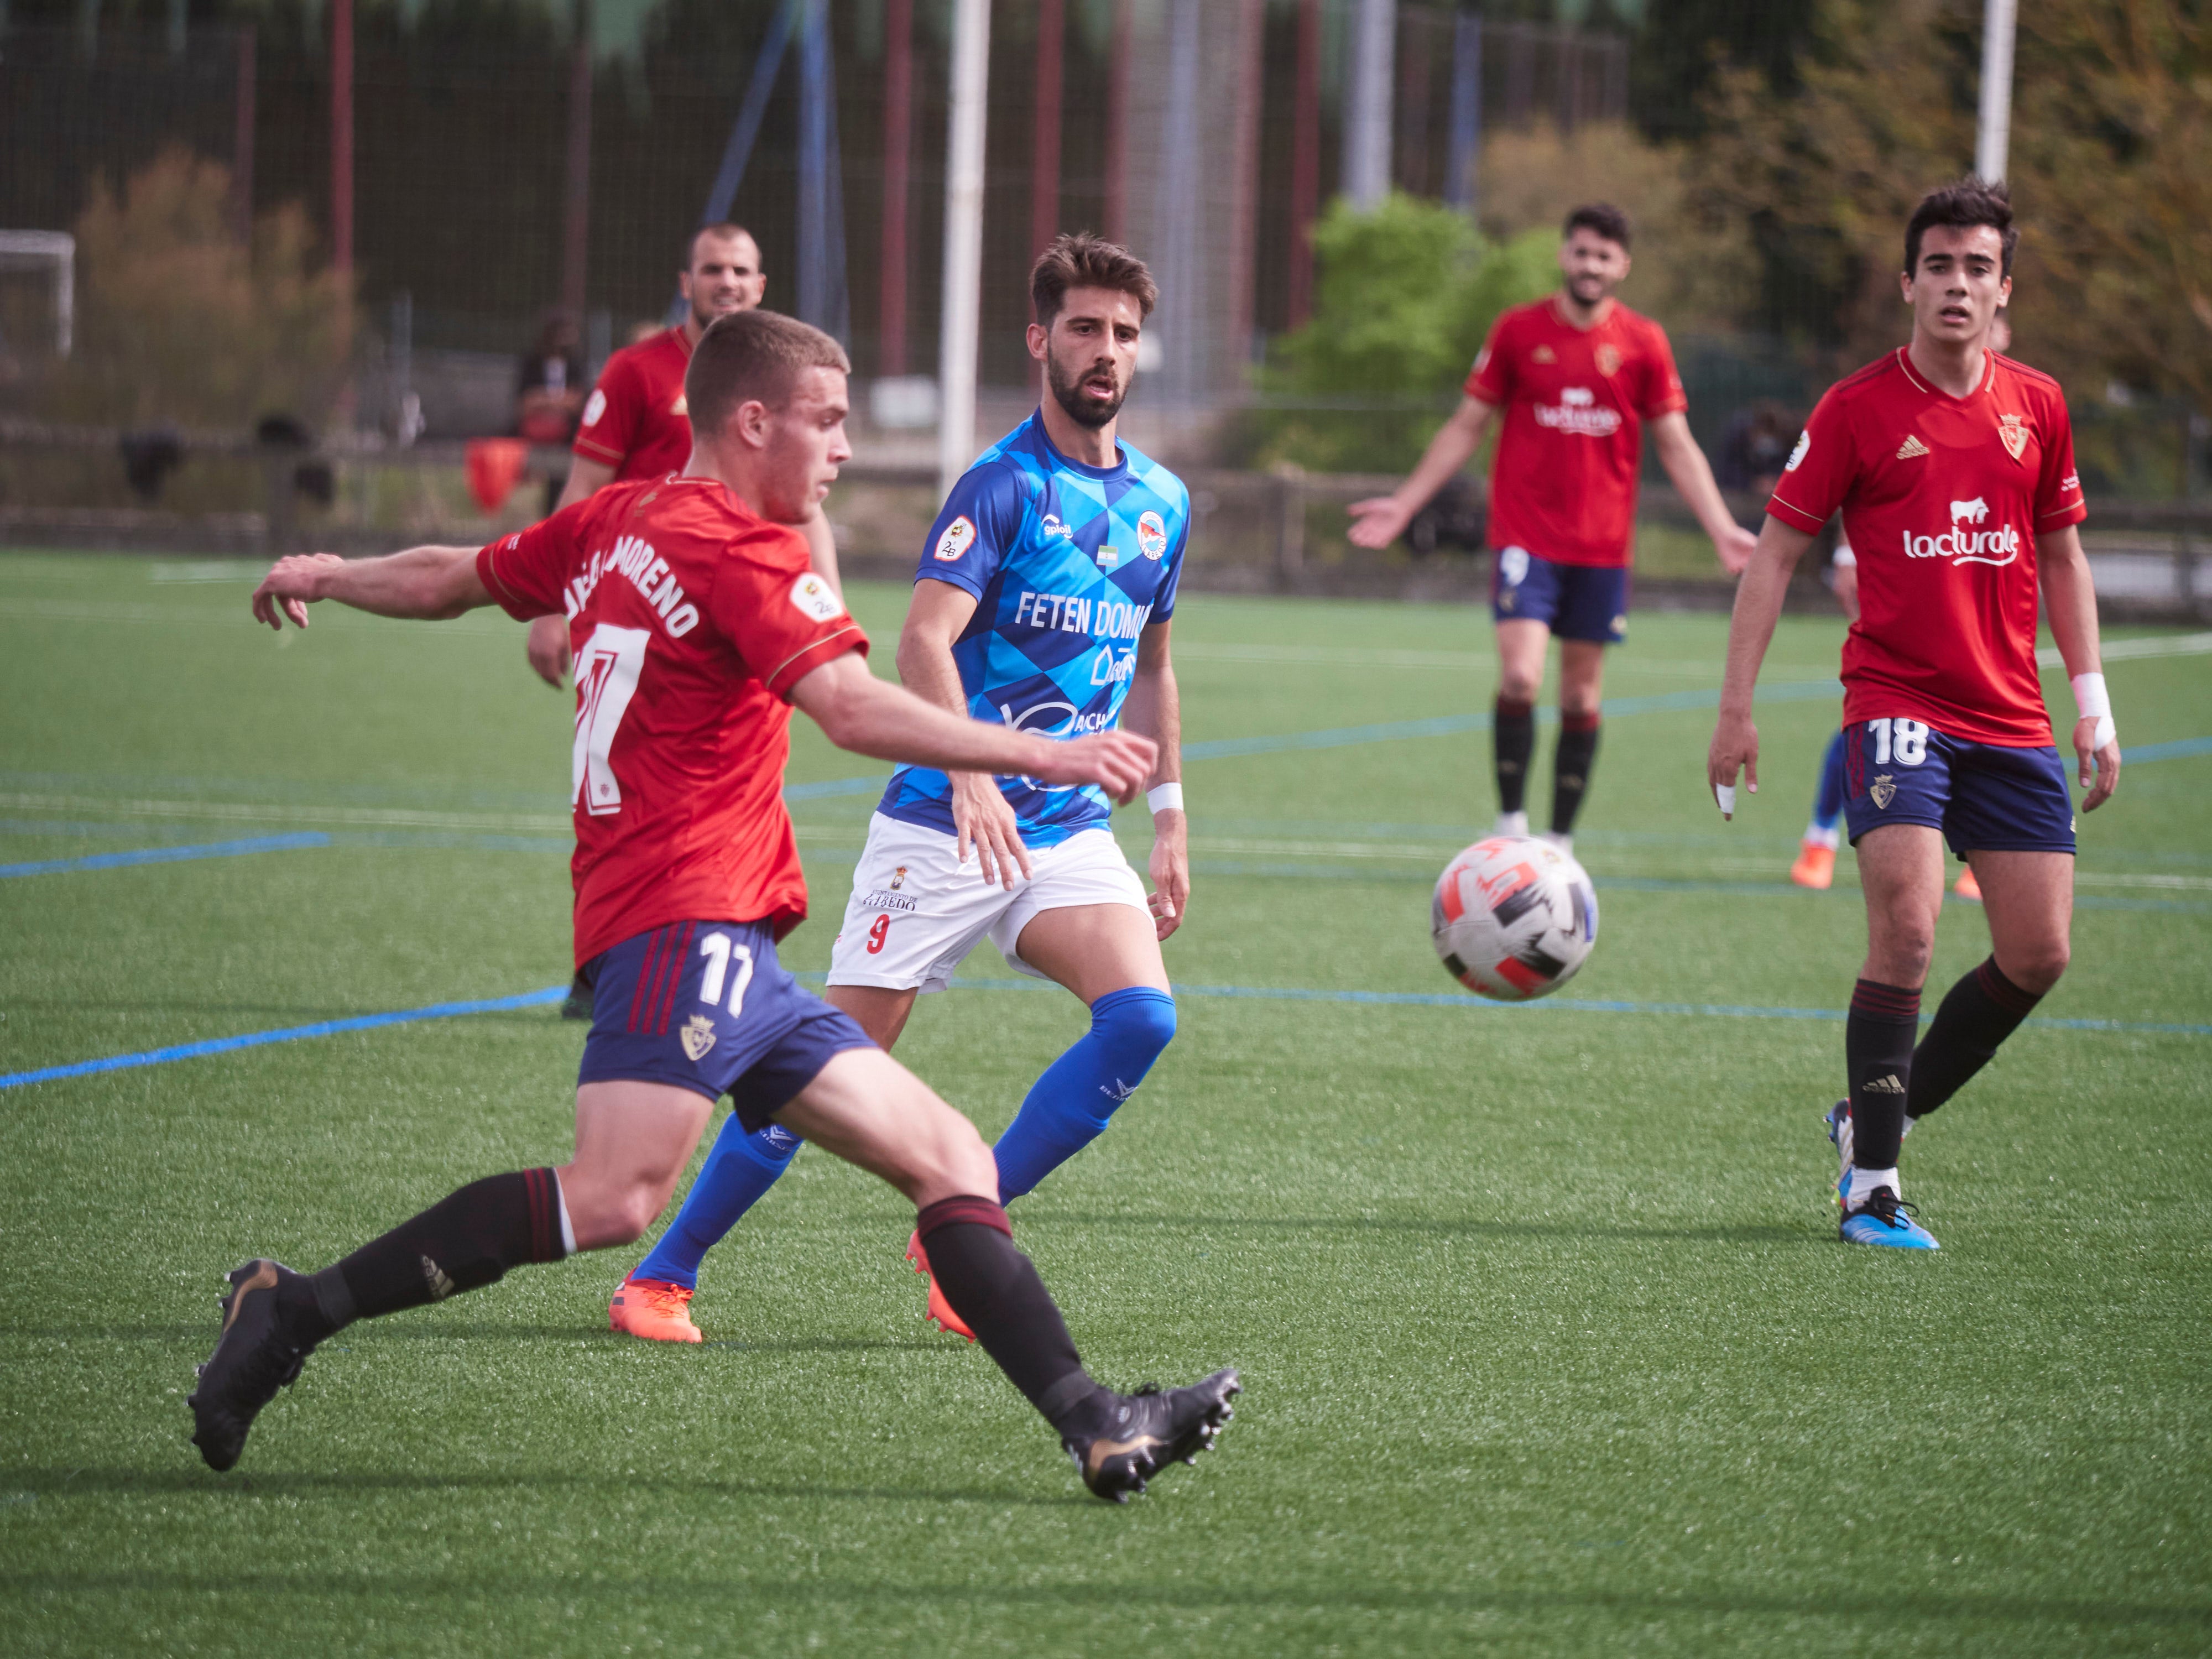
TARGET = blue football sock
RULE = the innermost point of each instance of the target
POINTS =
(738, 1171)
(1069, 1107)
(1828, 803)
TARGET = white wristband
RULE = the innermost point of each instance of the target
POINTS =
(2092, 703)
(1167, 798)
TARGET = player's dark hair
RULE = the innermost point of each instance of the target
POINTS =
(1081, 259)
(753, 356)
(724, 229)
(1600, 218)
(1968, 203)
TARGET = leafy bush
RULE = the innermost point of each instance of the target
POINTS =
(1403, 298)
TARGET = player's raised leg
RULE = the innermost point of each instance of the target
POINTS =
(871, 1111)
(632, 1140)
(1523, 645)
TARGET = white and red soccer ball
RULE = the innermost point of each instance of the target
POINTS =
(1513, 918)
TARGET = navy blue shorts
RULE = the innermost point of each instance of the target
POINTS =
(1984, 799)
(707, 1006)
(1575, 601)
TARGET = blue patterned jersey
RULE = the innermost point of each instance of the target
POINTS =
(1068, 564)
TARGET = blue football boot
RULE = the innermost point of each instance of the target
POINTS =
(1881, 1218)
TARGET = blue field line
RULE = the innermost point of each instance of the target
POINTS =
(551, 993)
(2179, 749)
(213, 850)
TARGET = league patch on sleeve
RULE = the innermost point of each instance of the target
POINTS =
(959, 536)
(1797, 455)
(811, 597)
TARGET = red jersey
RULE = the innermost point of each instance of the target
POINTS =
(1942, 499)
(636, 421)
(1568, 448)
(691, 620)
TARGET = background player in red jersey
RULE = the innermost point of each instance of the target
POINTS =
(1954, 468)
(1576, 375)
(635, 423)
(696, 623)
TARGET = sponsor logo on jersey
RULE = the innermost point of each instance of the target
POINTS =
(645, 571)
(1111, 667)
(1883, 789)
(1543, 353)
(1609, 360)
(1152, 535)
(1075, 613)
(1912, 449)
(2012, 432)
(1579, 412)
(1053, 525)
(959, 536)
(698, 1036)
(595, 406)
(898, 901)
(1962, 543)
(811, 597)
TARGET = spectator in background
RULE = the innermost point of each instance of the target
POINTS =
(1755, 448)
(549, 393)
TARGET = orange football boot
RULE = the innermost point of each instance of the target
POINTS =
(1816, 867)
(655, 1309)
(1966, 887)
(939, 1312)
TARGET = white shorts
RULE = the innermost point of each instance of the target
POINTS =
(917, 911)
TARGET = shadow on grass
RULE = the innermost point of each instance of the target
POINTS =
(613, 1485)
(1902, 1608)
(1747, 1233)
(427, 1331)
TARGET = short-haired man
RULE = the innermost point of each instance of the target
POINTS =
(1043, 601)
(1575, 376)
(696, 621)
(636, 424)
(1954, 468)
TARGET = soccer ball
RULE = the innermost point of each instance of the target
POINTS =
(1514, 917)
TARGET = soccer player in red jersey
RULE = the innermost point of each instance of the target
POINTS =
(1954, 468)
(1576, 375)
(636, 424)
(696, 623)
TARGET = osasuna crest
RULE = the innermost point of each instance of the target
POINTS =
(1884, 791)
(1152, 536)
(698, 1035)
(1609, 360)
(2011, 431)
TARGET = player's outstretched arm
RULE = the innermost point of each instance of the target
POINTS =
(865, 715)
(2071, 602)
(424, 584)
(1154, 710)
(1693, 477)
(1381, 520)
(1758, 607)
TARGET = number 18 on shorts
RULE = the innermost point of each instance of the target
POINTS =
(1984, 797)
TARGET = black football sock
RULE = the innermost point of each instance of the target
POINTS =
(1978, 1013)
(995, 1290)
(462, 1243)
(1512, 742)
(1878, 1059)
(1571, 769)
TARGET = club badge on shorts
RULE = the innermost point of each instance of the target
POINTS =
(1883, 790)
(698, 1035)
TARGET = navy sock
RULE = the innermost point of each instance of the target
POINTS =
(1979, 1012)
(1069, 1107)
(741, 1167)
(1828, 802)
(996, 1291)
(1571, 769)
(1512, 741)
(1878, 1058)
(463, 1242)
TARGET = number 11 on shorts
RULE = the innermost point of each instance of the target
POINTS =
(719, 949)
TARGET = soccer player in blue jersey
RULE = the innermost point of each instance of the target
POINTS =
(1043, 602)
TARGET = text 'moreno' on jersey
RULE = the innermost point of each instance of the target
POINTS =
(1068, 564)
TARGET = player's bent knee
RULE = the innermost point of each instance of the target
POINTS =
(1139, 1021)
(2038, 969)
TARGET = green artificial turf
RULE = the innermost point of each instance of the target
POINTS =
(1548, 1343)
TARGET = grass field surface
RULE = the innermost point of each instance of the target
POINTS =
(1548, 1342)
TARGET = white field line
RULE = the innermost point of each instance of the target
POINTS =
(112, 611)
(2159, 644)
